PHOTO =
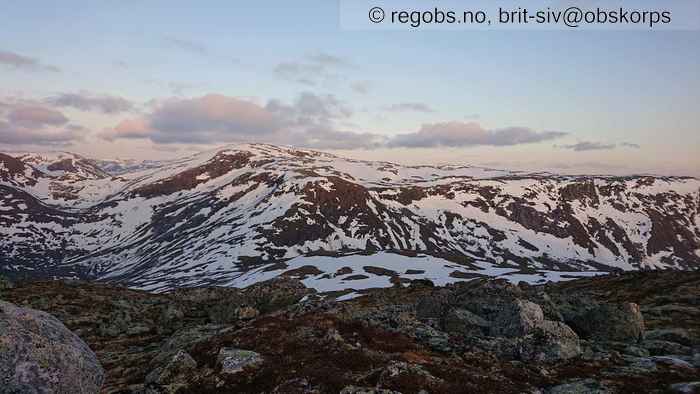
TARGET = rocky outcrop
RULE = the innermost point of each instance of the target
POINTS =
(482, 336)
(40, 355)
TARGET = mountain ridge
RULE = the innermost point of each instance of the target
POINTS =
(237, 214)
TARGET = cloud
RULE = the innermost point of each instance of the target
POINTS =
(18, 135)
(36, 116)
(587, 146)
(188, 46)
(631, 145)
(460, 134)
(86, 102)
(361, 87)
(409, 107)
(313, 69)
(20, 62)
(26, 124)
(309, 120)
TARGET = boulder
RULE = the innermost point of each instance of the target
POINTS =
(38, 354)
(174, 374)
(463, 322)
(233, 361)
(610, 322)
(550, 341)
(517, 318)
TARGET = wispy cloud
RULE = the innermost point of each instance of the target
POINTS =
(409, 107)
(631, 145)
(188, 46)
(585, 146)
(361, 87)
(312, 69)
(16, 61)
(88, 102)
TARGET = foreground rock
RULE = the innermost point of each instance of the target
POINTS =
(38, 354)
(481, 336)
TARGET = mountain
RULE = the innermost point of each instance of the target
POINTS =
(246, 213)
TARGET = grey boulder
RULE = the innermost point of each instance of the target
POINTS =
(38, 354)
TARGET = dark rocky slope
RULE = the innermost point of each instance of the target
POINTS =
(637, 332)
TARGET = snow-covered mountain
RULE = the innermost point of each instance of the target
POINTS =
(245, 213)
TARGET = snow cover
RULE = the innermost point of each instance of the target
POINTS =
(215, 224)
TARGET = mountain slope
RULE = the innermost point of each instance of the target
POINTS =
(244, 213)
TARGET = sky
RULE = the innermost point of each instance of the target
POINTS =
(162, 79)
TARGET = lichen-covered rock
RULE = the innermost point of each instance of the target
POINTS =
(175, 374)
(186, 340)
(610, 322)
(517, 318)
(38, 354)
(235, 360)
(550, 341)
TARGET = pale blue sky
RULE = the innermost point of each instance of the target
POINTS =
(603, 87)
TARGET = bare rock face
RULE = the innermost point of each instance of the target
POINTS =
(38, 354)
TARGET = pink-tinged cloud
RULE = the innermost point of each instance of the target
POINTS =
(36, 116)
(11, 134)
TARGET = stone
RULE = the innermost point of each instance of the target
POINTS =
(38, 354)
(187, 339)
(677, 335)
(433, 307)
(686, 388)
(175, 372)
(517, 319)
(550, 341)
(464, 322)
(435, 339)
(610, 322)
(584, 386)
(5, 283)
(661, 348)
(235, 360)
(366, 390)
(247, 313)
